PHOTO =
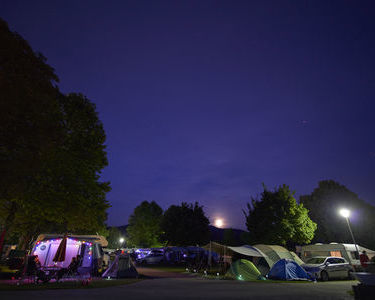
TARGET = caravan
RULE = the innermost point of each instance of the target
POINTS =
(88, 247)
(347, 251)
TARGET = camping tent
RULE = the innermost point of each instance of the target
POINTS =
(274, 253)
(121, 267)
(262, 256)
(243, 269)
(226, 251)
(287, 269)
(247, 250)
(257, 256)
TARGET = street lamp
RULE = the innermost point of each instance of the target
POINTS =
(121, 240)
(346, 214)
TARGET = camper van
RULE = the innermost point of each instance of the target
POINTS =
(89, 247)
(347, 251)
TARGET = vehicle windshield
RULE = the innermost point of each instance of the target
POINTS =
(316, 260)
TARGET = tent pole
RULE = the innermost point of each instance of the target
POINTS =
(209, 257)
(225, 248)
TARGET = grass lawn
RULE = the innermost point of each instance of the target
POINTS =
(166, 268)
(68, 285)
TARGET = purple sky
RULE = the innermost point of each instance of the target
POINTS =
(205, 100)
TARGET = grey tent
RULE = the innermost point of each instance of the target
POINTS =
(121, 267)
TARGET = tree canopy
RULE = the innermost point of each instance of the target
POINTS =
(324, 204)
(276, 218)
(144, 225)
(51, 148)
(114, 235)
(185, 225)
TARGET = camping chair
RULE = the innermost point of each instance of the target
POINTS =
(70, 272)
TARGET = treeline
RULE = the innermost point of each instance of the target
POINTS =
(51, 150)
(179, 225)
(277, 218)
(274, 217)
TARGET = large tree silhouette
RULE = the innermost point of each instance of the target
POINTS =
(324, 204)
(185, 225)
(51, 148)
(144, 225)
(276, 218)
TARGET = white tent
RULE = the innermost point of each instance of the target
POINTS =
(247, 250)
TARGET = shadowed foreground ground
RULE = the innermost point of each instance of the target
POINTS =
(196, 288)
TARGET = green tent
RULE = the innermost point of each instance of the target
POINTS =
(243, 269)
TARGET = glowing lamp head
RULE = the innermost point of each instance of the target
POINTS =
(121, 240)
(345, 212)
(219, 223)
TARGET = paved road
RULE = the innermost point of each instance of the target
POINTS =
(196, 288)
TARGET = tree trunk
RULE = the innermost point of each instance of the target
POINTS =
(8, 224)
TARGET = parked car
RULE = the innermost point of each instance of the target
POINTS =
(325, 268)
(154, 257)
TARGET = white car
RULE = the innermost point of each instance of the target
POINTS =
(325, 268)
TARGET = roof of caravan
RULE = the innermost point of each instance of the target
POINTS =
(94, 238)
(331, 246)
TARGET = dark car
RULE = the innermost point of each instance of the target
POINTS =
(154, 257)
(325, 268)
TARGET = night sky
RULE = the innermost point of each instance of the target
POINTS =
(205, 100)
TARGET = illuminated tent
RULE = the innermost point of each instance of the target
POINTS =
(243, 269)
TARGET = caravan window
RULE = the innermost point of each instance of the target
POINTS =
(336, 253)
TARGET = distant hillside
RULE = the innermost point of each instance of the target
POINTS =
(229, 236)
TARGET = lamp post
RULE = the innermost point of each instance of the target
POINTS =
(346, 214)
(121, 240)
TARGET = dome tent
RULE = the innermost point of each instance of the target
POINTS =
(287, 269)
(274, 253)
(243, 269)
